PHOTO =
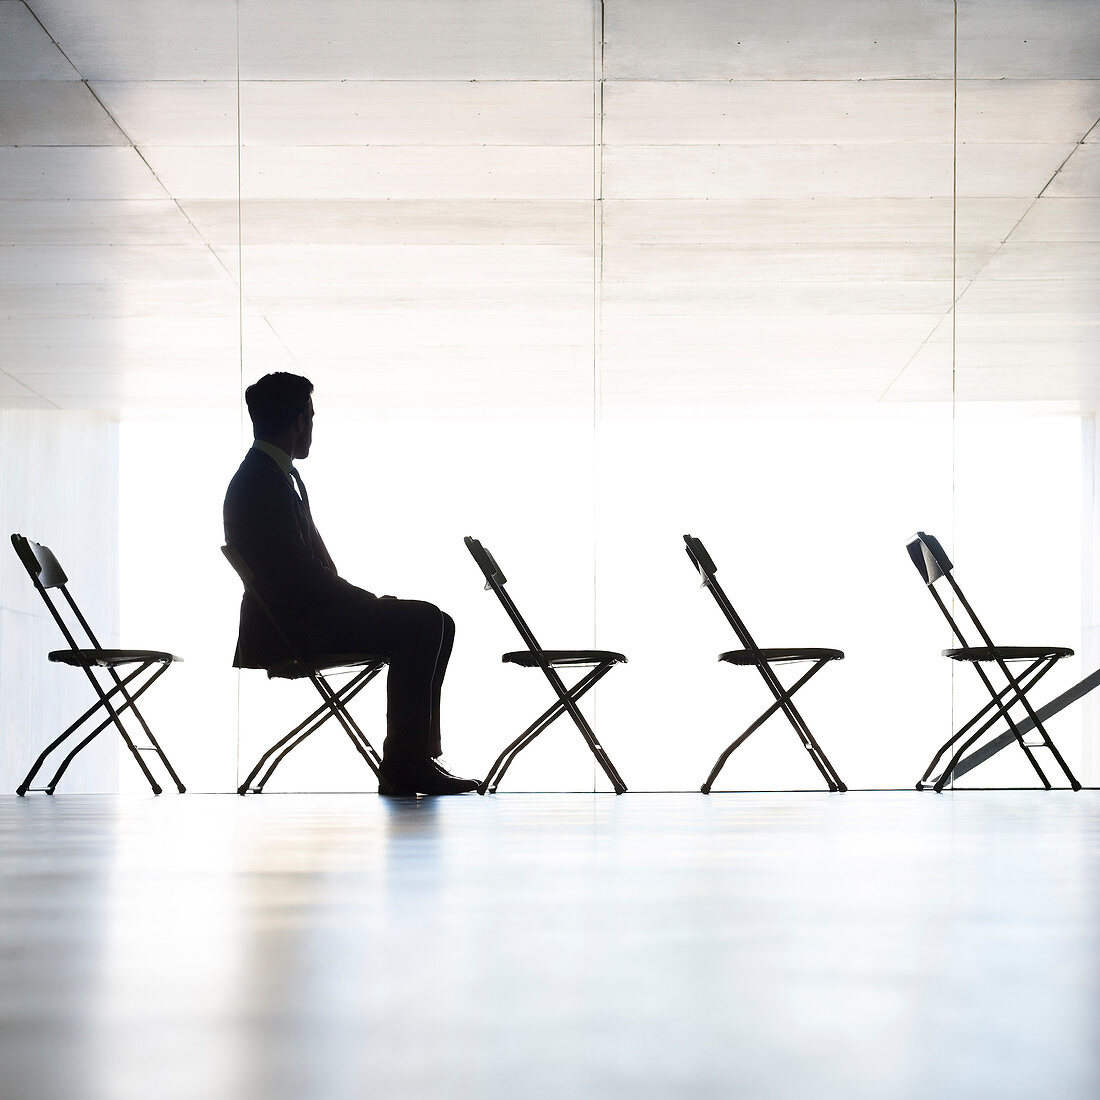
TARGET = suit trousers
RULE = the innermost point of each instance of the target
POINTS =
(415, 638)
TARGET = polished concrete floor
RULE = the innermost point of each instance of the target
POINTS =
(772, 945)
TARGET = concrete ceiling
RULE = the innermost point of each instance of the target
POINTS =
(487, 205)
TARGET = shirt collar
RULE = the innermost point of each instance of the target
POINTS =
(277, 455)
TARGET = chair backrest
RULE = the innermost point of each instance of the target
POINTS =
(240, 567)
(929, 557)
(494, 575)
(46, 573)
(248, 579)
(704, 563)
(496, 580)
(932, 563)
(39, 562)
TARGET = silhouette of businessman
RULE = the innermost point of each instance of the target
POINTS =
(268, 522)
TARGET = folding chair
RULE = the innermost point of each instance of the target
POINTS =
(335, 700)
(47, 576)
(549, 660)
(933, 563)
(762, 660)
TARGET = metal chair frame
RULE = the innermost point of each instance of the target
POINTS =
(933, 564)
(334, 699)
(47, 575)
(704, 564)
(547, 660)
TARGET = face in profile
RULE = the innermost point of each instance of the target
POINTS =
(301, 449)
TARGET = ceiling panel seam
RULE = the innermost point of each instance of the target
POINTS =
(237, 281)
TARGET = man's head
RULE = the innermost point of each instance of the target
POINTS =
(282, 411)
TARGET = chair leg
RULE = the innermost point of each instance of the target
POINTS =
(105, 700)
(985, 727)
(246, 786)
(337, 701)
(503, 762)
(1015, 684)
(145, 725)
(1074, 782)
(25, 786)
(328, 709)
(1020, 685)
(1037, 722)
(832, 781)
(585, 728)
(548, 716)
(322, 714)
(726, 753)
(114, 717)
(928, 772)
(961, 751)
(965, 727)
(52, 785)
(809, 742)
(315, 721)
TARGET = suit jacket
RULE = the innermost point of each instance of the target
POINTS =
(268, 525)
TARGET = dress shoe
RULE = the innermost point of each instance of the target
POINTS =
(406, 778)
(440, 766)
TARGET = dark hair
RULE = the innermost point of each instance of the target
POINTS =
(275, 401)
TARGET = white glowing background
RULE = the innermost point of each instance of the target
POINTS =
(805, 517)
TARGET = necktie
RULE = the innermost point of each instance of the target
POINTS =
(301, 489)
(317, 544)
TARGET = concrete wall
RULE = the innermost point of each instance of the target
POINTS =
(58, 486)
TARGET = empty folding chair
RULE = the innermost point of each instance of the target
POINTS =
(600, 661)
(763, 660)
(48, 576)
(933, 564)
(335, 699)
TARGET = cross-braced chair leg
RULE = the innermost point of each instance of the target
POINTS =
(503, 762)
(960, 743)
(334, 705)
(114, 717)
(785, 703)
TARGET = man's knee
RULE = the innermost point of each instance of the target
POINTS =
(425, 625)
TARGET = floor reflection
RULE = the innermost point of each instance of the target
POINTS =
(799, 945)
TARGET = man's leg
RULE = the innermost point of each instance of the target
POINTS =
(417, 645)
(415, 638)
(436, 742)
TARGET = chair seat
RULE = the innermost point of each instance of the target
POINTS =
(109, 658)
(323, 662)
(780, 656)
(1007, 652)
(556, 658)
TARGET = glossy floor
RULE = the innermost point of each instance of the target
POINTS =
(778, 945)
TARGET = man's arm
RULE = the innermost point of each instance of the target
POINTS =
(261, 522)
